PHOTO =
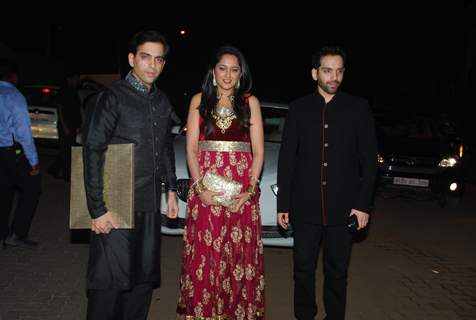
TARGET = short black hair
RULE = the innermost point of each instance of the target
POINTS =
(142, 37)
(7, 68)
(327, 51)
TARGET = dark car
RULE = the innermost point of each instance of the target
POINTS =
(421, 153)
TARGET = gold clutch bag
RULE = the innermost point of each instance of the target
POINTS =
(216, 183)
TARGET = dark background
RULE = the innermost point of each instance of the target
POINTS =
(402, 55)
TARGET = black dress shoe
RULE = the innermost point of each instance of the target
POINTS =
(15, 241)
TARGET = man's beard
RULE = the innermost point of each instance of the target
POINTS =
(328, 89)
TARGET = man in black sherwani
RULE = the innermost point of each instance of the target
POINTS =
(124, 265)
(326, 172)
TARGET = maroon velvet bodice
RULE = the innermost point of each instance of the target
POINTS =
(234, 133)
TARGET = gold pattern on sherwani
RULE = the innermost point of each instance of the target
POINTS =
(223, 117)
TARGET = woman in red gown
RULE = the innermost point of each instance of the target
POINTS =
(222, 275)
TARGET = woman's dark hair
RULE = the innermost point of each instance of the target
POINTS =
(142, 37)
(327, 51)
(209, 91)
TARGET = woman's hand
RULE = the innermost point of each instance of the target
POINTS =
(240, 200)
(207, 197)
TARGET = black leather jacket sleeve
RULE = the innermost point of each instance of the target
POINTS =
(102, 121)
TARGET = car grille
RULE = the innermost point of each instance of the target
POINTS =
(407, 161)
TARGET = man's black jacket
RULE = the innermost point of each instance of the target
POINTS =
(328, 159)
(123, 114)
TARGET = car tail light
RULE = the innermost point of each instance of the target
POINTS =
(46, 90)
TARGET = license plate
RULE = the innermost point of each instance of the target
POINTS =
(411, 182)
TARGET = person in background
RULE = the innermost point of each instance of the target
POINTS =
(19, 165)
(69, 123)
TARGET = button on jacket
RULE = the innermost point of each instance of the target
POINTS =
(124, 114)
(328, 159)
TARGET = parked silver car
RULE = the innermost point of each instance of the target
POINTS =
(274, 115)
(42, 108)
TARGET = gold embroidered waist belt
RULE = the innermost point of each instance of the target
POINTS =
(224, 146)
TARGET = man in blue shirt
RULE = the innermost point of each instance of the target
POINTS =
(19, 166)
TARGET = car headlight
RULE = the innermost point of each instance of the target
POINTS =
(274, 188)
(448, 162)
(380, 159)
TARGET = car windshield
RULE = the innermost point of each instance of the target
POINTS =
(415, 128)
(40, 96)
(273, 119)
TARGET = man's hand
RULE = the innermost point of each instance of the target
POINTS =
(104, 223)
(283, 220)
(362, 218)
(172, 205)
(35, 170)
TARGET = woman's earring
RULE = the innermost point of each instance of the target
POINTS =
(237, 85)
(214, 80)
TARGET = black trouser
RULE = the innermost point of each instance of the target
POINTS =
(337, 245)
(115, 304)
(15, 174)
(61, 166)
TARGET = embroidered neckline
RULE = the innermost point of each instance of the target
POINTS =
(137, 84)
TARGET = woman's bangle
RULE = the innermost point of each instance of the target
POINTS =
(252, 189)
(255, 179)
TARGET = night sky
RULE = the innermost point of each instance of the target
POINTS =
(400, 55)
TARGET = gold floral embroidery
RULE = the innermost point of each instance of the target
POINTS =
(254, 213)
(199, 271)
(238, 272)
(251, 311)
(223, 231)
(242, 166)
(244, 293)
(189, 286)
(208, 238)
(227, 249)
(219, 160)
(260, 246)
(248, 234)
(226, 285)
(198, 310)
(232, 158)
(206, 162)
(217, 244)
(220, 304)
(195, 212)
(216, 210)
(205, 296)
(240, 312)
(228, 172)
(222, 268)
(236, 234)
(250, 272)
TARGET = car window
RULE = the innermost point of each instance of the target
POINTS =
(415, 128)
(274, 119)
(40, 96)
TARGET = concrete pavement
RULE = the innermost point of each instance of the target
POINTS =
(417, 261)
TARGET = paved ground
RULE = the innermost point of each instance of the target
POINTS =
(416, 262)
